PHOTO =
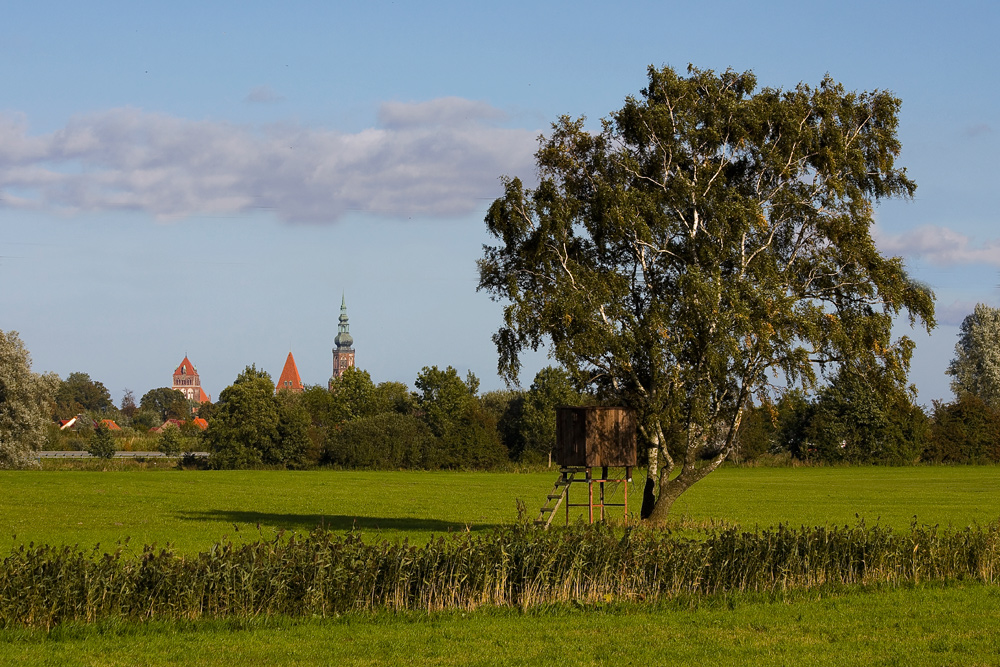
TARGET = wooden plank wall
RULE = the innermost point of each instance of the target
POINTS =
(595, 437)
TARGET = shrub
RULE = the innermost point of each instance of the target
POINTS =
(101, 444)
(388, 440)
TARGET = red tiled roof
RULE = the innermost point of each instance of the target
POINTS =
(110, 423)
(186, 368)
(289, 376)
(200, 423)
(203, 397)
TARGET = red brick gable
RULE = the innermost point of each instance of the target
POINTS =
(186, 368)
(289, 379)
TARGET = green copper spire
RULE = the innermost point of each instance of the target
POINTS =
(343, 339)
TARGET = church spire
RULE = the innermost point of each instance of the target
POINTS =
(343, 339)
(343, 352)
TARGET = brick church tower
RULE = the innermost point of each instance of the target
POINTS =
(187, 382)
(343, 352)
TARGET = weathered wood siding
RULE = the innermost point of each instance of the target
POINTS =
(595, 437)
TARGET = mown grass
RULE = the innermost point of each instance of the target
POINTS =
(192, 510)
(913, 626)
(925, 625)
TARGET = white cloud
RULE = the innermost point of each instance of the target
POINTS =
(941, 246)
(262, 95)
(433, 158)
(953, 313)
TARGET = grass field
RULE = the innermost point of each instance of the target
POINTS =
(932, 625)
(194, 509)
(952, 625)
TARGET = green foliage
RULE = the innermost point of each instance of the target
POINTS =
(864, 419)
(506, 408)
(253, 427)
(757, 434)
(128, 407)
(387, 440)
(25, 401)
(976, 366)
(353, 393)
(143, 420)
(551, 387)
(967, 430)
(101, 443)
(710, 235)
(466, 433)
(165, 403)
(79, 393)
(206, 410)
(170, 441)
(444, 398)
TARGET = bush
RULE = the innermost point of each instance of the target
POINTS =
(101, 444)
(170, 441)
(964, 431)
(388, 440)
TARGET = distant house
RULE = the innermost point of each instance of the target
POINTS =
(80, 421)
(170, 423)
(187, 382)
(289, 380)
(178, 423)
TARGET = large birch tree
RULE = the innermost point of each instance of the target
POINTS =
(709, 246)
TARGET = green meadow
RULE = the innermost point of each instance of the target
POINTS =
(191, 510)
(932, 624)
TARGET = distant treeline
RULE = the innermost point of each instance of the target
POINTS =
(444, 422)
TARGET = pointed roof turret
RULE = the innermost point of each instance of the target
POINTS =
(186, 368)
(343, 339)
(289, 379)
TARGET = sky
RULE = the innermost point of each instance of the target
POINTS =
(211, 179)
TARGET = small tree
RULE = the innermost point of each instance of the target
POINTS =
(101, 444)
(128, 406)
(170, 441)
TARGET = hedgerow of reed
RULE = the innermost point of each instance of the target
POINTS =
(323, 573)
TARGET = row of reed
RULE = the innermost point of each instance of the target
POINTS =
(323, 573)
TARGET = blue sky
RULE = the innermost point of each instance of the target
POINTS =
(181, 179)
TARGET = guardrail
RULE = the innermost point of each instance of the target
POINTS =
(118, 455)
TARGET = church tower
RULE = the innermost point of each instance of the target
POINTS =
(290, 379)
(343, 353)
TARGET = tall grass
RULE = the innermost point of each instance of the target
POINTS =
(323, 574)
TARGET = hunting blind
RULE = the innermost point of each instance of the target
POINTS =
(591, 437)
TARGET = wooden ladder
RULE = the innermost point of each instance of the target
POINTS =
(555, 498)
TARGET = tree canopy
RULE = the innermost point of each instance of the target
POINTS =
(25, 401)
(976, 366)
(709, 238)
(253, 427)
(166, 403)
(79, 393)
